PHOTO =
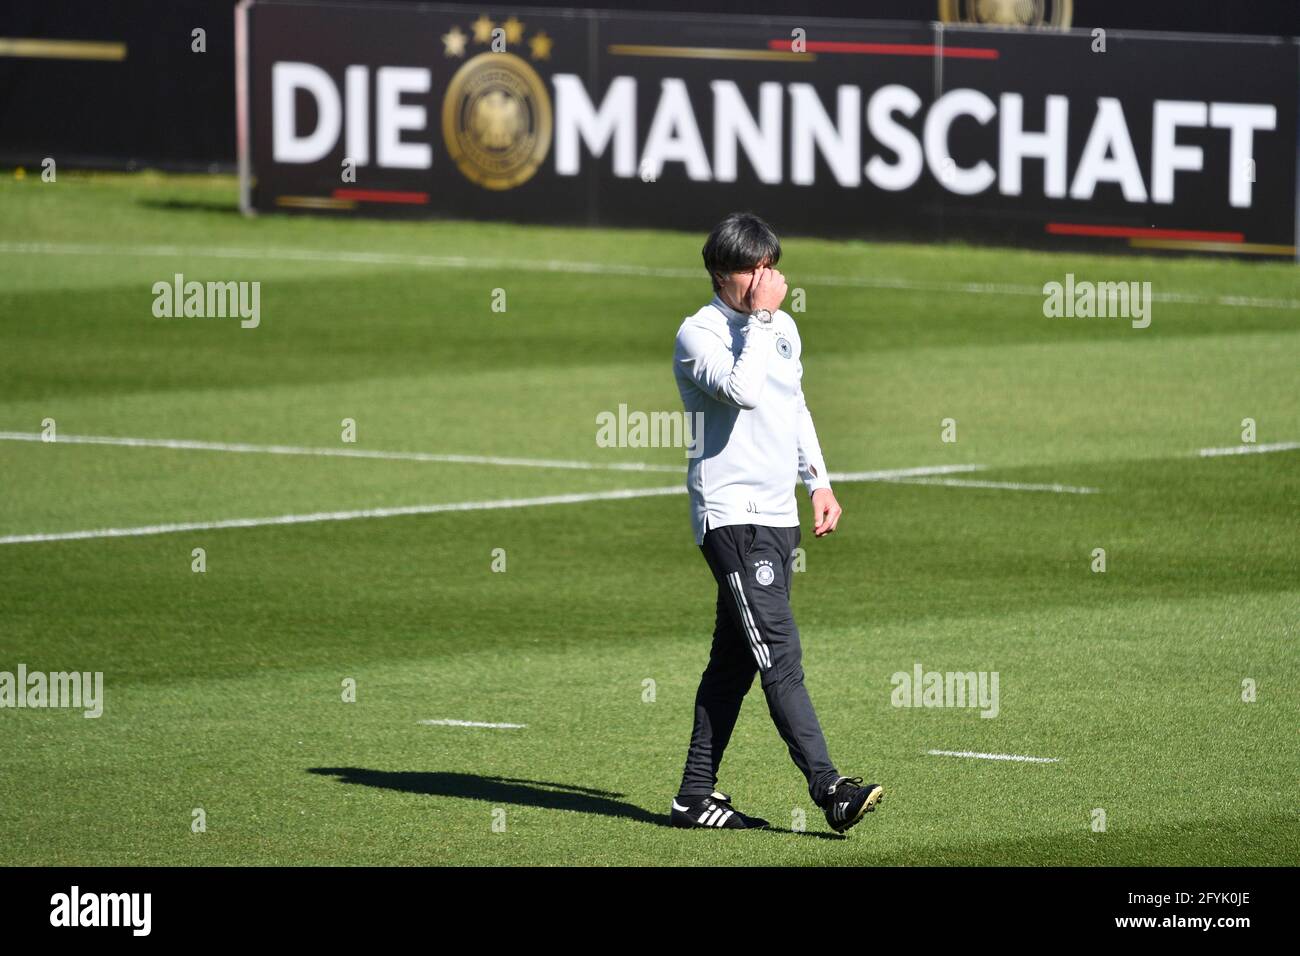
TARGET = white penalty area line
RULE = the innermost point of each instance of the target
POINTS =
(1249, 449)
(404, 511)
(979, 756)
(1001, 485)
(471, 723)
(900, 475)
(926, 476)
(587, 268)
(320, 516)
(895, 474)
(186, 444)
(919, 475)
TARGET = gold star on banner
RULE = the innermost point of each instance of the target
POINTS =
(482, 29)
(454, 42)
(541, 46)
(514, 31)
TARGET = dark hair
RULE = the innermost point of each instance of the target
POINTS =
(739, 243)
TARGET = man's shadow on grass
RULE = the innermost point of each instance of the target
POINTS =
(510, 790)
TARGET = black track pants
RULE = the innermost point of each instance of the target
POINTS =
(755, 633)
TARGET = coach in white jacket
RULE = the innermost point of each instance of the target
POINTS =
(738, 369)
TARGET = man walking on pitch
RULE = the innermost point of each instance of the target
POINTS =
(737, 364)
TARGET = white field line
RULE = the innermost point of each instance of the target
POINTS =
(895, 474)
(1249, 449)
(979, 756)
(188, 444)
(319, 516)
(1004, 485)
(560, 265)
(471, 723)
(898, 474)
(246, 448)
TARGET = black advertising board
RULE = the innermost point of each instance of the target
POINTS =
(1170, 142)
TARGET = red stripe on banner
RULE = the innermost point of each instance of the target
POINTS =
(890, 49)
(381, 195)
(1131, 232)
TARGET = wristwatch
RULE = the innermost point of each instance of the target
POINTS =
(762, 315)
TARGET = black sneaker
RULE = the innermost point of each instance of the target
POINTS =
(847, 801)
(715, 811)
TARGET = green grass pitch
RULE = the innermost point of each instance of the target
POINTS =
(223, 689)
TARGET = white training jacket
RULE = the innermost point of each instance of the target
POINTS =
(745, 378)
